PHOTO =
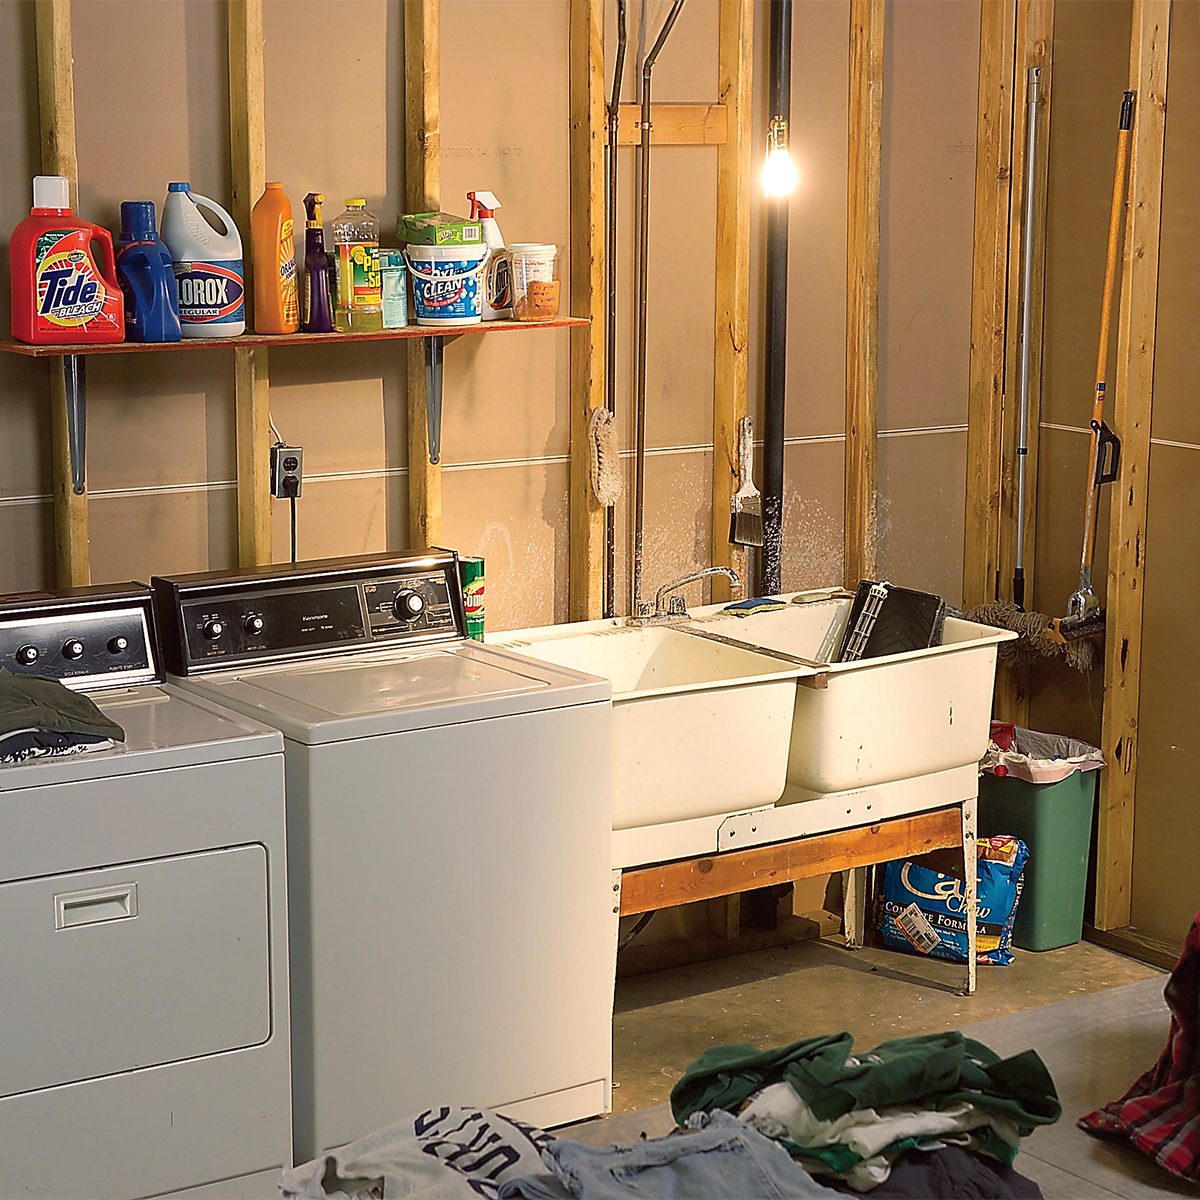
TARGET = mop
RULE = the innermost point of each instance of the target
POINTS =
(1075, 636)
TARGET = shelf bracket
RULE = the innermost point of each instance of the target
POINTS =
(74, 384)
(434, 350)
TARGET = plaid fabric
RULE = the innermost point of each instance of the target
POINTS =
(1160, 1114)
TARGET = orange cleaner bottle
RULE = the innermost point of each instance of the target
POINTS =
(273, 245)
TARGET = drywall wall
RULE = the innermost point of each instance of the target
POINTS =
(1091, 71)
(161, 455)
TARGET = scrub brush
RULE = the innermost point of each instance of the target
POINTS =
(745, 509)
(605, 462)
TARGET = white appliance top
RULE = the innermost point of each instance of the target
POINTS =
(351, 648)
(370, 693)
(101, 641)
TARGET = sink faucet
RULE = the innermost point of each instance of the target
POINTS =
(676, 609)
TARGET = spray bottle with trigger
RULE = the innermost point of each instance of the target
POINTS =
(497, 294)
(317, 310)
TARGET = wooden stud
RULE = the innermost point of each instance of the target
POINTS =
(867, 23)
(705, 878)
(1034, 48)
(422, 191)
(1131, 419)
(675, 125)
(993, 179)
(247, 154)
(731, 376)
(56, 105)
(588, 291)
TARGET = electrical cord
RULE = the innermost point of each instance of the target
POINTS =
(291, 487)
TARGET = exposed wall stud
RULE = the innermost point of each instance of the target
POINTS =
(867, 32)
(1127, 546)
(248, 153)
(1034, 48)
(993, 184)
(587, 133)
(56, 104)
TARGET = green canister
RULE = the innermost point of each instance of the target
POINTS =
(470, 571)
(394, 276)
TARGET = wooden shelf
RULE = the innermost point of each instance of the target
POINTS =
(268, 340)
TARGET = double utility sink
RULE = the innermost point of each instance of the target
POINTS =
(721, 713)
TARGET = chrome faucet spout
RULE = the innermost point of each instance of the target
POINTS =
(676, 609)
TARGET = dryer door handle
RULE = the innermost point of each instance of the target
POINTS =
(92, 906)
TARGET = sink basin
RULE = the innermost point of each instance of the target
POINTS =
(876, 720)
(700, 727)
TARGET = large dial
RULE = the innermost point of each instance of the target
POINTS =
(408, 605)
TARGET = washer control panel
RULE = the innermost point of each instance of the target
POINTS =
(88, 639)
(308, 610)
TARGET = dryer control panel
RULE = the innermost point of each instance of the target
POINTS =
(88, 638)
(219, 621)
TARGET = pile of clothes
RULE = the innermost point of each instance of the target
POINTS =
(40, 718)
(938, 1115)
(468, 1153)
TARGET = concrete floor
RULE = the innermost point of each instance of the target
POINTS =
(666, 1019)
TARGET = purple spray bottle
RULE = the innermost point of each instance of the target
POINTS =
(317, 311)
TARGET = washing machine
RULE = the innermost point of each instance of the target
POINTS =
(144, 1045)
(452, 913)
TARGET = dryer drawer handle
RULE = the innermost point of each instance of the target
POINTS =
(91, 906)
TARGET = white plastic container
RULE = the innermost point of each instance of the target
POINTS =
(533, 272)
(876, 720)
(447, 283)
(207, 263)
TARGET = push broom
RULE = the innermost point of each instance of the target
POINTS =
(1076, 635)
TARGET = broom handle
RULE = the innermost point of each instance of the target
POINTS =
(1092, 501)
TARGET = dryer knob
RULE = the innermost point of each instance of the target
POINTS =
(213, 629)
(28, 655)
(254, 624)
(118, 645)
(408, 605)
(72, 648)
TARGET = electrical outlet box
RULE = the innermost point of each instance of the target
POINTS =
(287, 471)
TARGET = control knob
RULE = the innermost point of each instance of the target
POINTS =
(213, 629)
(118, 645)
(28, 655)
(254, 624)
(408, 605)
(72, 648)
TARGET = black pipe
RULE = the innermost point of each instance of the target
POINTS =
(610, 329)
(779, 96)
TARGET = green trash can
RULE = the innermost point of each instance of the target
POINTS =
(1054, 819)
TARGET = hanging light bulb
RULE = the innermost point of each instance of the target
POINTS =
(779, 173)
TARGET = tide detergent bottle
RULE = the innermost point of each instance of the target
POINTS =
(147, 277)
(59, 295)
(207, 262)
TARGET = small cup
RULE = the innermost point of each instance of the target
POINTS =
(535, 284)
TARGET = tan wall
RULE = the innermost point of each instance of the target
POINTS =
(161, 435)
(1091, 57)
(161, 456)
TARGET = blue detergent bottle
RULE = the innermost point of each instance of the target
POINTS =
(147, 277)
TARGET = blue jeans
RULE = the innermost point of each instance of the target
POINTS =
(717, 1158)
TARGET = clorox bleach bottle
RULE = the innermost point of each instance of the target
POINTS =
(59, 295)
(208, 265)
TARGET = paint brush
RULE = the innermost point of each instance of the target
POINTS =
(745, 509)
